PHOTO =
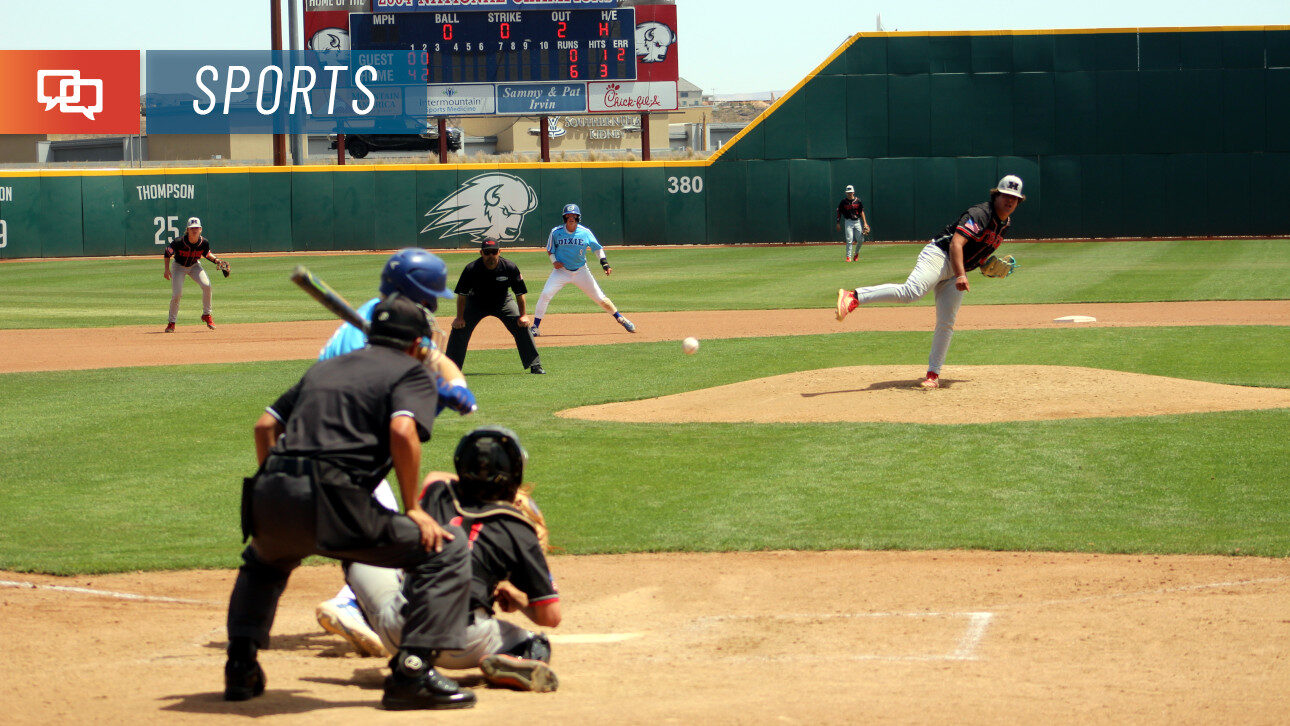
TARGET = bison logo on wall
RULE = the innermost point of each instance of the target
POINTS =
(488, 206)
(652, 41)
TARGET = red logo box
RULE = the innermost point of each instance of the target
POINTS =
(69, 91)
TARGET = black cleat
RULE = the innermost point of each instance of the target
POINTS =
(414, 684)
(242, 680)
(538, 369)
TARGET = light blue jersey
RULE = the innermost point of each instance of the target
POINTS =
(347, 338)
(570, 248)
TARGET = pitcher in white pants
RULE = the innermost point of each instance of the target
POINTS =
(943, 265)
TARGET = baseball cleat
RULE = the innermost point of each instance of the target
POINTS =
(431, 690)
(534, 330)
(170, 327)
(627, 324)
(537, 369)
(343, 618)
(847, 302)
(207, 319)
(519, 673)
(929, 383)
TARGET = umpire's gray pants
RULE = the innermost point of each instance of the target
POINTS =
(177, 275)
(380, 594)
(932, 271)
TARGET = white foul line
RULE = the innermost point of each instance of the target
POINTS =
(102, 593)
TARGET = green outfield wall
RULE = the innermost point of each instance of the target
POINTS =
(1116, 133)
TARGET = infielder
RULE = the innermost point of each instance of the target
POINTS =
(943, 264)
(567, 246)
(188, 250)
(852, 222)
(508, 566)
(422, 277)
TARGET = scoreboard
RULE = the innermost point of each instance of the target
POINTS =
(515, 46)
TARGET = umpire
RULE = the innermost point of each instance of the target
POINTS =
(484, 289)
(323, 447)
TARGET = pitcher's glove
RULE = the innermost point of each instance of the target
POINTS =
(529, 508)
(223, 267)
(999, 267)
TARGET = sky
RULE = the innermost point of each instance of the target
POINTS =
(725, 46)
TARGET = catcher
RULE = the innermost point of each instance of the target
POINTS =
(508, 542)
(188, 249)
(943, 264)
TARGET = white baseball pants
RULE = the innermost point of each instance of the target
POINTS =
(931, 271)
(380, 593)
(177, 275)
(559, 278)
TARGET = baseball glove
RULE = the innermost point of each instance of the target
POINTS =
(223, 267)
(999, 267)
(529, 508)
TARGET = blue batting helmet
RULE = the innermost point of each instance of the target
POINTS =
(572, 209)
(416, 274)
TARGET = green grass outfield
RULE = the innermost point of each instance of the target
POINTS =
(140, 468)
(109, 292)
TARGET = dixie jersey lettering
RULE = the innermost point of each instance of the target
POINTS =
(850, 208)
(186, 252)
(984, 233)
(570, 248)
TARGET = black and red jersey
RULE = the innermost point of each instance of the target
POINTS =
(187, 252)
(984, 233)
(850, 208)
(502, 545)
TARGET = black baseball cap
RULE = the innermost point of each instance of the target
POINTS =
(488, 244)
(397, 321)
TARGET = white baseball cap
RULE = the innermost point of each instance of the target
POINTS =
(1010, 185)
(849, 189)
(194, 222)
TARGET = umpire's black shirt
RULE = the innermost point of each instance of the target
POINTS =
(983, 231)
(489, 288)
(340, 411)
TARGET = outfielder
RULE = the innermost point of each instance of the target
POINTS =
(422, 277)
(567, 246)
(852, 222)
(508, 565)
(188, 250)
(943, 264)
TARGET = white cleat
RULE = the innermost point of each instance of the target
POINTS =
(343, 618)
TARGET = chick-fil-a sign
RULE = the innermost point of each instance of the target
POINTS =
(629, 96)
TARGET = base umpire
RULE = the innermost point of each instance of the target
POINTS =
(484, 289)
(323, 446)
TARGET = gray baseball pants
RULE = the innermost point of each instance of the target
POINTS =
(177, 275)
(932, 271)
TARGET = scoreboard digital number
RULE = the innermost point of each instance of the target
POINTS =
(496, 47)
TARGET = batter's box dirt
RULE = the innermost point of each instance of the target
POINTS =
(897, 636)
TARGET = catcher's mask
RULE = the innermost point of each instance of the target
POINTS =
(490, 463)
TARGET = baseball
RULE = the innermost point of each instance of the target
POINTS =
(690, 345)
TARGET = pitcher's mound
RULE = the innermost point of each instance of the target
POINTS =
(969, 394)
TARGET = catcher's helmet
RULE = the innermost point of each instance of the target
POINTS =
(1010, 185)
(572, 209)
(417, 274)
(490, 463)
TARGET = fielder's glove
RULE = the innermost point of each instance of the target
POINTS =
(223, 267)
(996, 267)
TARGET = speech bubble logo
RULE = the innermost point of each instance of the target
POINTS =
(69, 98)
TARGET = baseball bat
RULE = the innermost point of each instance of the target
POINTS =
(330, 299)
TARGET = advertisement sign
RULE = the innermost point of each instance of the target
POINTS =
(406, 6)
(533, 99)
(69, 92)
(459, 100)
(632, 96)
